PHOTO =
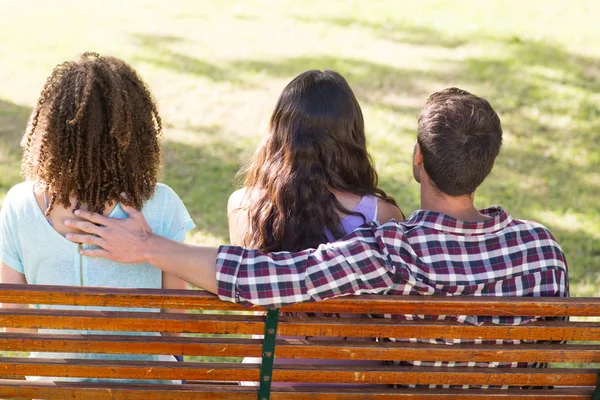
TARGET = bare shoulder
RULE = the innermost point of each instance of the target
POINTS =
(236, 200)
(237, 214)
(387, 211)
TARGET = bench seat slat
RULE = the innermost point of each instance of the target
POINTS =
(131, 321)
(348, 350)
(16, 367)
(292, 326)
(103, 391)
(373, 304)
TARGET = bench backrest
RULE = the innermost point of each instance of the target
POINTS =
(226, 327)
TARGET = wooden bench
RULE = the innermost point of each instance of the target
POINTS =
(218, 380)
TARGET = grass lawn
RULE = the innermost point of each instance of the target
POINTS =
(217, 67)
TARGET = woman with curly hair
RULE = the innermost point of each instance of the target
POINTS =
(311, 180)
(93, 135)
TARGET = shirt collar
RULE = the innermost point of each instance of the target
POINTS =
(445, 223)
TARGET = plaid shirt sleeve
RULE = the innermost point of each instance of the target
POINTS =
(357, 264)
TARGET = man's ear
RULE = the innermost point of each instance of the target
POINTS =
(417, 162)
(418, 157)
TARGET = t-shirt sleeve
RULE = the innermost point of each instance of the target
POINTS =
(8, 244)
(176, 218)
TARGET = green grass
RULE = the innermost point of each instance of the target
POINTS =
(216, 69)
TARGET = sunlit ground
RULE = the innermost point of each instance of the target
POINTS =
(216, 69)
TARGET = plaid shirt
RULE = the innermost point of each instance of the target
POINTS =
(429, 253)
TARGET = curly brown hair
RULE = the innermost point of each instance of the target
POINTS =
(316, 143)
(93, 135)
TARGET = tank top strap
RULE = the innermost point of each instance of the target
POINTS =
(367, 206)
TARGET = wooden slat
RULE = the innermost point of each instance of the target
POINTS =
(103, 391)
(194, 299)
(131, 321)
(10, 367)
(431, 352)
(429, 394)
(348, 350)
(126, 369)
(339, 327)
(436, 376)
(291, 326)
(124, 344)
(436, 394)
(460, 305)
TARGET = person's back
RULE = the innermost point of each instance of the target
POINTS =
(325, 186)
(93, 136)
(440, 255)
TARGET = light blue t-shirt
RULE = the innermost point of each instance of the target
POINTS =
(29, 245)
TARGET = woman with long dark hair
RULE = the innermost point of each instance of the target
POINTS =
(311, 180)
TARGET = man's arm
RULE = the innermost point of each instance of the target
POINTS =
(357, 264)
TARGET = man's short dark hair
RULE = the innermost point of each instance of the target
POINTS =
(460, 136)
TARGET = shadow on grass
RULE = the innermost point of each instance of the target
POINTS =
(529, 72)
(370, 81)
(13, 121)
(394, 31)
(157, 50)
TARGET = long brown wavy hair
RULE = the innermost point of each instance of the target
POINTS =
(316, 144)
(93, 134)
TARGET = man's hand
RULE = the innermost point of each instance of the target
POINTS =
(123, 240)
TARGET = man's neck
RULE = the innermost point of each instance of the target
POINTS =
(458, 207)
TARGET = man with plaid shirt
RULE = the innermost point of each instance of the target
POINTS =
(448, 247)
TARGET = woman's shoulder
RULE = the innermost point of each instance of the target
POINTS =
(163, 202)
(21, 189)
(164, 191)
(387, 211)
(237, 200)
(18, 196)
(163, 196)
(166, 214)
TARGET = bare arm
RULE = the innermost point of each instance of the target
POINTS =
(9, 275)
(170, 281)
(194, 264)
